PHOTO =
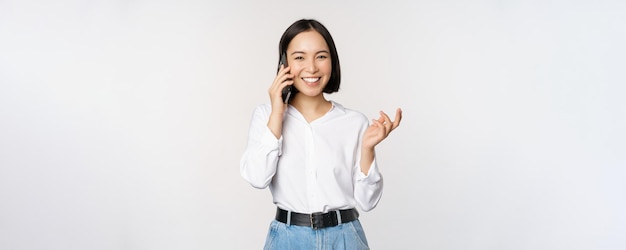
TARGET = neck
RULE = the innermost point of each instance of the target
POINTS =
(311, 107)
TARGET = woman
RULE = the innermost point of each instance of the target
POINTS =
(316, 156)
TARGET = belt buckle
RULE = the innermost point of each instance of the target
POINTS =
(317, 220)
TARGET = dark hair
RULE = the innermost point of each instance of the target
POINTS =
(303, 25)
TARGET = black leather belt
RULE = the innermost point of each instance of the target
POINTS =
(317, 220)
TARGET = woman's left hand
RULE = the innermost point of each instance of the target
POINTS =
(380, 129)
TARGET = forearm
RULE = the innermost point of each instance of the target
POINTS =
(367, 157)
(368, 184)
(275, 124)
(258, 166)
(260, 159)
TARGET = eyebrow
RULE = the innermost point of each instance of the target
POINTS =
(302, 52)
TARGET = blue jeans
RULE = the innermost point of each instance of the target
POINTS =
(345, 236)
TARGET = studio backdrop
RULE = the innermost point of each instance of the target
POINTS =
(122, 122)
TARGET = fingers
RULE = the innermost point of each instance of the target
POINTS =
(283, 78)
(385, 117)
(283, 81)
(386, 121)
(382, 127)
(397, 118)
(283, 69)
(378, 122)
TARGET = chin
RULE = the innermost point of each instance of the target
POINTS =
(310, 93)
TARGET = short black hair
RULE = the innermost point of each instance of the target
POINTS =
(303, 25)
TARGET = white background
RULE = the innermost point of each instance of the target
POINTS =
(122, 122)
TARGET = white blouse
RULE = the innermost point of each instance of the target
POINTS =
(312, 167)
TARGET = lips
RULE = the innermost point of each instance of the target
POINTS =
(311, 79)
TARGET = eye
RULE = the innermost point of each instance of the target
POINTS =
(322, 57)
(298, 58)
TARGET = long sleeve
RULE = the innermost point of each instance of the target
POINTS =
(368, 189)
(259, 160)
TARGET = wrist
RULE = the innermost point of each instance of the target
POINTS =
(367, 149)
(367, 157)
(277, 112)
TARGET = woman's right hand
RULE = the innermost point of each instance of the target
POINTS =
(283, 78)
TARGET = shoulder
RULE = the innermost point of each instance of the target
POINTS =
(263, 108)
(262, 111)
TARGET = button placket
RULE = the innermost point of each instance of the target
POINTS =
(311, 172)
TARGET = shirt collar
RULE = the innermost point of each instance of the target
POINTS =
(336, 107)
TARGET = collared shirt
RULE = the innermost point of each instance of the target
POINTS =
(312, 167)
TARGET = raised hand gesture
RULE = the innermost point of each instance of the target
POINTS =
(380, 129)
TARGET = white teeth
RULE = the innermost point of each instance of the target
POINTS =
(311, 79)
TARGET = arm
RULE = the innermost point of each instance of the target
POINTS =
(259, 161)
(283, 78)
(369, 182)
(376, 133)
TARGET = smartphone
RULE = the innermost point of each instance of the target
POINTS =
(288, 90)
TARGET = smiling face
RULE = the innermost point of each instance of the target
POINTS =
(309, 58)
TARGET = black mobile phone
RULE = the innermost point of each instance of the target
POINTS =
(288, 90)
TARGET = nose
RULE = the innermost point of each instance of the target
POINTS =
(312, 66)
